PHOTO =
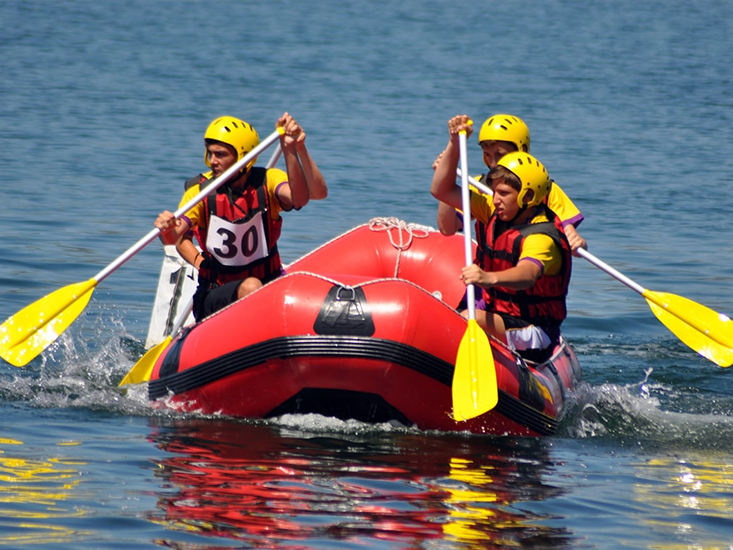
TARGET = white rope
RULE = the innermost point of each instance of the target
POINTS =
(412, 231)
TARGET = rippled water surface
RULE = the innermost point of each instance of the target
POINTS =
(102, 109)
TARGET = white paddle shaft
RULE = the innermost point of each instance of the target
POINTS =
(466, 204)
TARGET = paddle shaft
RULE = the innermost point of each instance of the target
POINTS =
(218, 182)
(275, 157)
(182, 318)
(466, 205)
(611, 271)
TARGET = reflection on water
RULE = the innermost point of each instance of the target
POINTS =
(274, 487)
(36, 497)
(688, 493)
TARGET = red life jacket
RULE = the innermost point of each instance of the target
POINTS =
(544, 303)
(244, 239)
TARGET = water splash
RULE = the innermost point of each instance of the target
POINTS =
(648, 415)
(81, 370)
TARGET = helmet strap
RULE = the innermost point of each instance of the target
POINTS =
(240, 180)
(522, 210)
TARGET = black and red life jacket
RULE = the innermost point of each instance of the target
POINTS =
(239, 237)
(544, 303)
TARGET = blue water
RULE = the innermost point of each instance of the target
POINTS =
(102, 109)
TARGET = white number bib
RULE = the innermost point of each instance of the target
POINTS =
(237, 244)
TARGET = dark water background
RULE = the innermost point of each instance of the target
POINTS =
(102, 109)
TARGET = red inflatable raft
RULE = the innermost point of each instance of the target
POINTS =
(361, 328)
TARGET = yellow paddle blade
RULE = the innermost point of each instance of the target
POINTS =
(144, 367)
(35, 327)
(474, 379)
(707, 332)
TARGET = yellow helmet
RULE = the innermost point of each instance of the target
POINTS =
(505, 128)
(531, 174)
(234, 132)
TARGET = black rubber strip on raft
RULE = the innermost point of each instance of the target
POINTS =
(338, 346)
(303, 346)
